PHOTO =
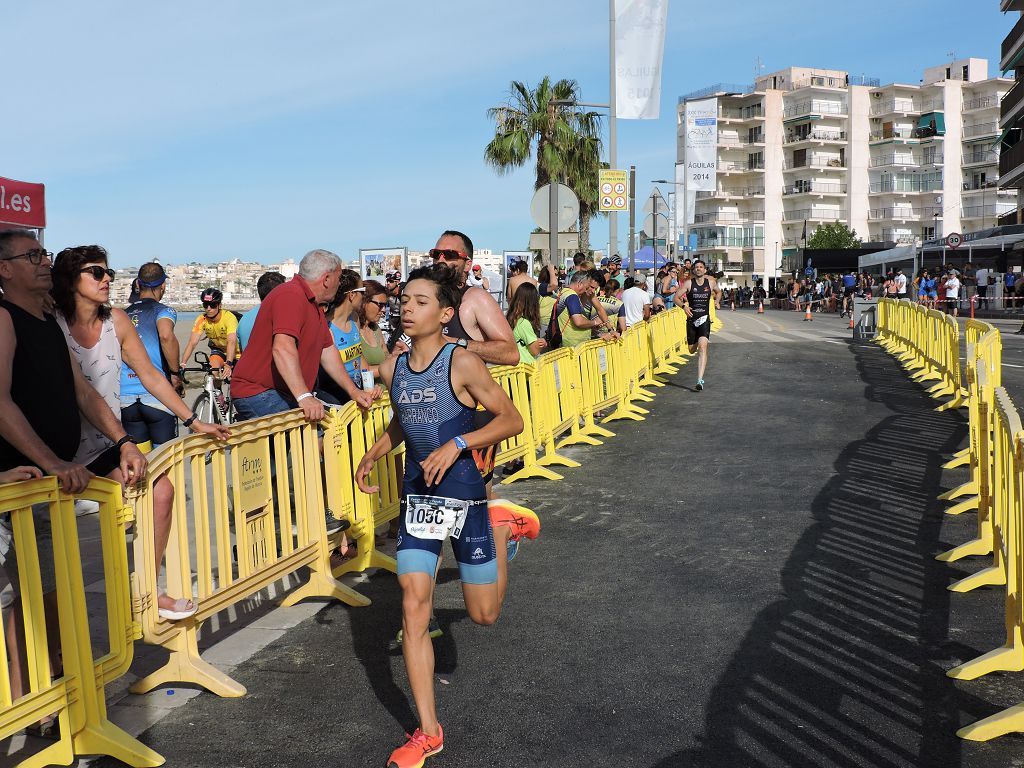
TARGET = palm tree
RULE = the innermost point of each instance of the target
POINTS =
(566, 142)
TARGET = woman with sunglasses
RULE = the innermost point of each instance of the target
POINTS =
(375, 304)
(100, 338)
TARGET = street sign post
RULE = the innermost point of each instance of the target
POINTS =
(614, 187)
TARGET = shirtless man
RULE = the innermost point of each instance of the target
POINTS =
(518, 274)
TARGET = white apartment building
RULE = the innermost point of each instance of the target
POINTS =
(804, 147)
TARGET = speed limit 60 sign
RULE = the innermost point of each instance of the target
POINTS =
(614, 189)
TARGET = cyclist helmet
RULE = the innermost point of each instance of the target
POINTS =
(211, 295)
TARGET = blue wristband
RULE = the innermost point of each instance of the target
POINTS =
(460, 442)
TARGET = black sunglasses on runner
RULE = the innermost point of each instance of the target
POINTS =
(98, 272)
(448, 254)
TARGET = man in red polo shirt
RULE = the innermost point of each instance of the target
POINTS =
(289, 342)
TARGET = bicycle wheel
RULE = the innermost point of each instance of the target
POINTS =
(203, 408)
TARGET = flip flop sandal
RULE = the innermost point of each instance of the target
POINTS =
(180, 610)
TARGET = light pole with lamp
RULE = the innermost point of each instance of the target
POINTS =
(686, 217)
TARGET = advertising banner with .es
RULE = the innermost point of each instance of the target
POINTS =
(700, 146)
(639, 51)
(22, 204)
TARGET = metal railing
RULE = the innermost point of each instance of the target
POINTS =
(981, 129)
(731, 142)
(816, 107)
(815, 161)
(740, 113)
(819, 188)
(734, 192)
(983, 102)
(974, 186)
(817, 135)
(729, 216)
(987, 156)
(899, 133)
(738, 266)
(903, 213)
(731, 242)
(903, 160)
(810, 214)
(906, 185)
(910, 106)
(1011, 43)
(986, 211)
(903, 238)
(714, 88)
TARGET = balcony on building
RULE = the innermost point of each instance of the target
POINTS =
(1007, 6)
(1011, 166)
(981, 103)
(989, 211)
(1013, 47)
(728, 217)
(813, 214)
(819, 108)
(819, 136)
(904, 213)
(819, 162)
(900, 160)
(729, 193)
(912, 186)
(980, 156)
(900, 237)
(811, 187)
(1010, 108)
(981, 131)
(905, 106)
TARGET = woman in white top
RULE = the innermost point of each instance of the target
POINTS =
(100, 338)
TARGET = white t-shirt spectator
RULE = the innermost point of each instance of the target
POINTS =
(952, 287)
(633, 302)
(981, 276)
(901, 284)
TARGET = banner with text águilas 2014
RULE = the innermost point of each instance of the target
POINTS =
(639, 51)
(22, 204)
(700, 146)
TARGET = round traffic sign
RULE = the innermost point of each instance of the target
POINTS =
(606, 188)
(606, 202)
(566, 201)
(954, 240)
(620, 202)
(620, 189)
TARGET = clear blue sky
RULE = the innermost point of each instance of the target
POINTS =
(207, 131)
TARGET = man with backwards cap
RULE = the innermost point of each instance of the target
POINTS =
(144, 417)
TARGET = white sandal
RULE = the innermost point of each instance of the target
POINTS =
(181, 610)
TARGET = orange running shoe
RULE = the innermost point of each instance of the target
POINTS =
(521, 521)
(417, 749)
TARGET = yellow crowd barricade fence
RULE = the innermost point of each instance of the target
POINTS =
(248, 512)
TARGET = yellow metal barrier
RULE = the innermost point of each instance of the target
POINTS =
(348, 434)
(513, 379)
(554, 406)
(76, 696)
(271, 525)
(1008, 505)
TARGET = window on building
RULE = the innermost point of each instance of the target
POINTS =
(755, 135)
(799, 158)
(756, 159)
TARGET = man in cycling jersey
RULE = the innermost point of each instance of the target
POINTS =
(220, 328)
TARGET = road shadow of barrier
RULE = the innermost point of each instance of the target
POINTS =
(849, 668)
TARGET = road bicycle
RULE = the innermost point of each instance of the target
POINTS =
(212, 405)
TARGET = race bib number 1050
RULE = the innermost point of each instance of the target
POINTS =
(435, 517)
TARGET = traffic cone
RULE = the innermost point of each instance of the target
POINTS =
(760, 308)
(851, 321)
(807, 314)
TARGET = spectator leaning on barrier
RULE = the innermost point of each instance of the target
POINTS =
(576, 313)
(524, 317)
(42, 393)
(99, 339)
(290, 341)
(147, 420)
(267, 282)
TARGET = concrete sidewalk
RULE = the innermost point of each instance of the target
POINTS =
(744, 579)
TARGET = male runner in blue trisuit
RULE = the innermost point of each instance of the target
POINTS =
(435, 389)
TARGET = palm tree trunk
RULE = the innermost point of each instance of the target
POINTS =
(584, 232)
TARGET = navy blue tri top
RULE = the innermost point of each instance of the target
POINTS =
(430, 414)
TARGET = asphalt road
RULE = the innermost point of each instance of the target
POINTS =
(746, 578)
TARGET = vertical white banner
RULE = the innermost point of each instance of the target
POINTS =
(700, 145)
(639, 51)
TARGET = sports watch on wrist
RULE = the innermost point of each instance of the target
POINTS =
(464, 343)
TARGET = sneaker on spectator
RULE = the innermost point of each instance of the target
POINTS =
(334, 525)
(86, 507)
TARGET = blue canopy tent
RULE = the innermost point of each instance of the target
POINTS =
(644, 258)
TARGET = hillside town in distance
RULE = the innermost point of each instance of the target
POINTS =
(236, 279)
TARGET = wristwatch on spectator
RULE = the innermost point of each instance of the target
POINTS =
(464, 343)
